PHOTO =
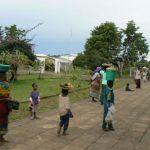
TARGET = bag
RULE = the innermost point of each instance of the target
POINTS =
(13, 105)
(109, 117)
(112, 109)
(70, 114)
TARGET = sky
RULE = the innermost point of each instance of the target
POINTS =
(68, 23)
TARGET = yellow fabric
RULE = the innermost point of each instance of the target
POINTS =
(4, 89)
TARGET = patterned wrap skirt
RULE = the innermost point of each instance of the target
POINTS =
(95, 89)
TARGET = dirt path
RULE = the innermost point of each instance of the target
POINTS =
(132, 124)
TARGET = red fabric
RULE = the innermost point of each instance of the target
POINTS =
(4, 112)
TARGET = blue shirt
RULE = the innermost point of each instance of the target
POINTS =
(35, 95)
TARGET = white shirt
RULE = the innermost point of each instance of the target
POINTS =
(137, 74)
(64, 104)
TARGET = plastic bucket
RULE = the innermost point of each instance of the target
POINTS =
(4, 68)
(110, 75)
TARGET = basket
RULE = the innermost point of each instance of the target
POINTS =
(110, 74)
(4, 68)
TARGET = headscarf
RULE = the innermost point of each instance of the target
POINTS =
(97, 70)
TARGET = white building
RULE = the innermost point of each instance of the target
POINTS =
(41, 58)
(70, 57)
(61, 63)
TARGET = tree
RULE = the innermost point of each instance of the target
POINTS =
(103, 45)
(134, 45)
(49, 64)
(12, 41)
(15, 39)
(80, 60)
(14, 59)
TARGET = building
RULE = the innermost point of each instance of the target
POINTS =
(61, 63)
(41, 58)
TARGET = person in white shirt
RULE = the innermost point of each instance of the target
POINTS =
(137, 76)
(144, 74)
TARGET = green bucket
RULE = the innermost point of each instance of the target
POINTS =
(4, 68)
(110, 74)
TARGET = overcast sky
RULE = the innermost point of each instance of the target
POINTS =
(67, 23)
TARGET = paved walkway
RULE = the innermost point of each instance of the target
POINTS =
(132, 124)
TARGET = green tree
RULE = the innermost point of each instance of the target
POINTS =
(80, 60)
(13, 41)
(15, 59)
(49, 64)
(134, 45)
(103, 44)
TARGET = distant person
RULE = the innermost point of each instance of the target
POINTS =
(144, 74)
(148, 74)
(137, 77)
(64, 109)
(34, 101)
(95, 85)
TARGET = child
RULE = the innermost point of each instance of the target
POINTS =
(34, 101)
(64, 108)
(128, 88)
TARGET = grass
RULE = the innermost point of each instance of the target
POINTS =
(47, 104)
(47, 86)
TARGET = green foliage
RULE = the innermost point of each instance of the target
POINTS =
(16, 58)
(13, 42)
(107, 42)
(102, 46)
(12, 39)
(143, 63)
(80, 60)
(49, 65)
(134, 46)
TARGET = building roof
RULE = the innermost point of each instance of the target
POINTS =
(41, 55)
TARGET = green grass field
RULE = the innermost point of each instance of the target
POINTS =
(48, 85)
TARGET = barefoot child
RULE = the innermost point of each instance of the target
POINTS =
(64, 108)
(34, 101)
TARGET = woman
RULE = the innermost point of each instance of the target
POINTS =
(95, 85)
(4, 99)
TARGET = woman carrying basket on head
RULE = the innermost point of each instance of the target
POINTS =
(95, 85)
(4, 99)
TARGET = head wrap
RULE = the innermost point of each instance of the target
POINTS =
(97, 70)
